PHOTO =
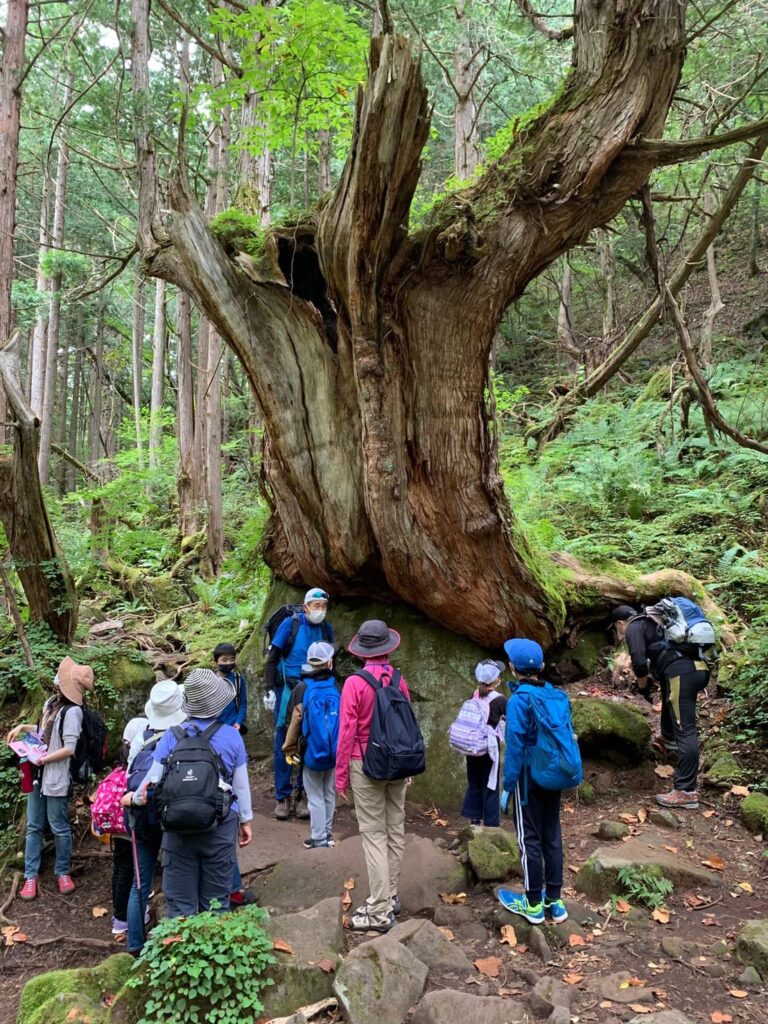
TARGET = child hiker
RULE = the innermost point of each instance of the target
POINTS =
(476, 733)
(312, 739)
(542, 759)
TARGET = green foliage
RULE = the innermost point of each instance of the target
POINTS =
(11, 798)
(645, 885)
(240, 230)
(208, 968)
(71, 265)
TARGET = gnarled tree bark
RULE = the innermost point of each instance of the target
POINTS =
(367, 347)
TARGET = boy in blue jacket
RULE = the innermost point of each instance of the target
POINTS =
(536, 810)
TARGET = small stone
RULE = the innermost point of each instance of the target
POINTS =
(560, 1015)
(713, 970)
(448, 1006)
(612, 830)
(752, 945)
(448, 916)
(665, 1017)
(610, 987)
(440, 843)
(586, 793)
(720, 948)
(673, 946)
(548, 993)
(538, 945)
(665, 819)
(473, 932)
(750, 977)
(754, 812)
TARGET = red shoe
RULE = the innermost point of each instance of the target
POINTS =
(29, 889)
(66, 885)
(236, 898)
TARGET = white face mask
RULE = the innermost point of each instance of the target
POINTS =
(316, 616)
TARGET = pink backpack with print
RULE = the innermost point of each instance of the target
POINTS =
(107, 812)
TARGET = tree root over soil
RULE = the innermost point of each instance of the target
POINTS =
(12, 896)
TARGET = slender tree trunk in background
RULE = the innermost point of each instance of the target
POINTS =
(226, 381)
(754, 236)
(158, 371)
(137, 360)
(199, 477)
(569, 350)
(716, 304)
(324, 163)
(255, 172)
(185, 420)
(96, 391)
(40, 333)
(60, 412)
(254, 440)
(466, 143)
(74, 412)
(54, 314)
(608, 272)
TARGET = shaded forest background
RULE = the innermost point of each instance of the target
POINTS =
(151, 445)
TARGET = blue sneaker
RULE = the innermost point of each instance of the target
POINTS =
(517, 903)
(556, 910)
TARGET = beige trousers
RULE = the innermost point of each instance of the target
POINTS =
(380, 810)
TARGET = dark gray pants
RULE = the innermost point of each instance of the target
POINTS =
(197, 869)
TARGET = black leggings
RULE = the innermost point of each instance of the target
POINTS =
(680, 686)
(122, 876)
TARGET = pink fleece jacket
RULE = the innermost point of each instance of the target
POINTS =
(357, 702)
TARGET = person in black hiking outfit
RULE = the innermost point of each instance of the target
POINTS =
(681, 678)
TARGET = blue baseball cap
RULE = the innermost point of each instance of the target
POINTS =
(524, 655)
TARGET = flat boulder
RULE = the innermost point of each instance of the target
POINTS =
(379, 982)
(307, 876)
(451, 1007)
(428, 944)
(664, 1017)
(598, 876)
(752, 945)
(610, 730)
(307, 953)
(616, 987)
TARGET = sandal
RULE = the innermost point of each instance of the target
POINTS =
(363, 922)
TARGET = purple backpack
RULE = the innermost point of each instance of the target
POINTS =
(470, 732)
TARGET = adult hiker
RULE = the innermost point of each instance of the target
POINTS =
(164, 710)
(477, 733)
(542, 758)
(365, 761)
(202, 798)
(61, 723)
(298, 628)
(312, 739)
(236, 712)
(681, 676)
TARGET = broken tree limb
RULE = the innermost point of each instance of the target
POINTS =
(13, 607)
(9, 901)
(711, 413)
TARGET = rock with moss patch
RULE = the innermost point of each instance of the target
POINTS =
(59, 997)
(493, 854)
(598, 876)
(586, 793)
(612, 830)
(379, 982)
(752, 945)
(723, 771)
(754, 812)
(617, 732)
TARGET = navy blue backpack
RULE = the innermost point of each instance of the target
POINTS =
(143, 819)
(395, 745)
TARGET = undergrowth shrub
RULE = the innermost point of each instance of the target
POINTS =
(644, 885)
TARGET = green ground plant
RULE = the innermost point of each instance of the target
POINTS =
(645, 886)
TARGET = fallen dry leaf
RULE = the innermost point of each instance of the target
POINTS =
(623, 907)
(509, 992)
(452, 898)
(715, 862)
(450, 936)
(671, 849)
(738, 993)
(20, 937)
(629, 819)
(720, 1018)
(108, 1000)
(326, 965)
(641, 1008)
(170, 939)
(740, 790)
(489, 966)
(746, 887)
(709, 921)
(642, 815)
(664, 771)
(636, 982)
(707, 814)
(8, 932)
(349, 884)
(692, 900)
(573, 979)
(441, 822)
(522, 949)
(508, 935)
(99, 911)
(606, 1004)
(346, 901)
(576, 940)
(568, 807)
(283, 947)
(661, 915)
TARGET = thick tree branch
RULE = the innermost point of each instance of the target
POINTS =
(526, 8)
(200, 40)
(663, 152)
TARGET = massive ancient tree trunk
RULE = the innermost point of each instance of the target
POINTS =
(367, 347)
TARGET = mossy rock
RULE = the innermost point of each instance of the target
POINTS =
(723, 771)
(754, 813)
(64, 997)
(586, 794)
(587, 653)
(617, 732)
(494, 855)
(752, 945)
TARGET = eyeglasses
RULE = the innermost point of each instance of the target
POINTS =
(317, 595)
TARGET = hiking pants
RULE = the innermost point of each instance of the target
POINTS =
(320, 788)
(122, 876)
(285, 787)
(55, 811)
(537, 823)
(680, 687)
(147, 851)
(198, 869)
(380, 808)
(480, 803)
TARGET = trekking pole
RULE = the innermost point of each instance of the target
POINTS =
(137, 868)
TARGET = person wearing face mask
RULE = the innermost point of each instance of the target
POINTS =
(288, 649)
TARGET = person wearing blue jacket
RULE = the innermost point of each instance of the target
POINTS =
(287, 655)
(236, 712)
(536, 810)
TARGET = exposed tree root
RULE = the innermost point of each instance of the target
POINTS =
(11, 898)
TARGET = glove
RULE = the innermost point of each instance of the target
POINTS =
(504, 801)
(269, 700)
(293, 760)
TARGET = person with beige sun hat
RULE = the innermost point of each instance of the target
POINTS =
(61, 722)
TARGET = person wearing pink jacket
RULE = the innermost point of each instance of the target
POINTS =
(380, 805)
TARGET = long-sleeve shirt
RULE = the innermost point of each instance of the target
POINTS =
(236, 712)
(228, 744)
(55, 780)
(520, 735)
(281, 666)
(357, 703)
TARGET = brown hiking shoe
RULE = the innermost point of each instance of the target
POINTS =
(301, 807)
(282, 811)
(678, 798)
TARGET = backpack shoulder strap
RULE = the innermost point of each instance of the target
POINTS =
(210, 732)
(369, 678)
(397, 675)
(179, 733)
(294, 630)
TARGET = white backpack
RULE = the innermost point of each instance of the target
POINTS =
(470, 733)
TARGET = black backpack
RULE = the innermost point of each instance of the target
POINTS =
(91, 750)
(279, 616)
(194, 794)
(395, 745)
(143, 819)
